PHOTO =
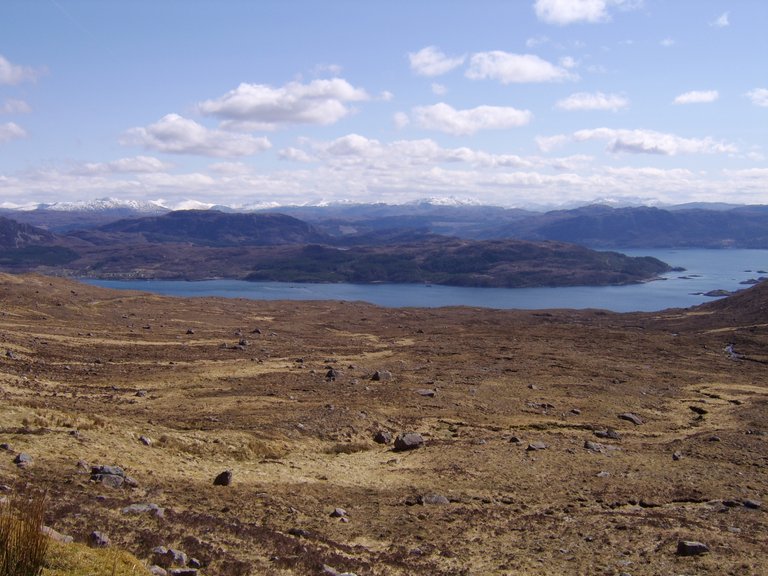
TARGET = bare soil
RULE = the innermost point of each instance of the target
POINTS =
(239, 385)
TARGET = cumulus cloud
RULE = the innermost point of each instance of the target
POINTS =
(721, 21)
(667, 42)
(445, 118)
(759, 97)
(178, 135)
(12, 106)
(430, 61)
(564, 12)
(652, 142)
(12, 74)
(11, 131)
(136, 165)
(401, 119)
(262, 107)
(438, 89)
(510, 68)
(697, 97)
(593, 101)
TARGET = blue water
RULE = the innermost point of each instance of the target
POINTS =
(705, 270)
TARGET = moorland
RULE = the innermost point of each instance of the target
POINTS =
(551, 442)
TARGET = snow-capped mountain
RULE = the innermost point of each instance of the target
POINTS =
(105, 204)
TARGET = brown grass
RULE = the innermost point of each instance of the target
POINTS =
(23, 545)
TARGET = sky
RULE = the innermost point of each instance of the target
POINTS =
(518, 103)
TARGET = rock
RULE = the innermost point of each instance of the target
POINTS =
(515, 440)
(329, 571)
(408, 441)
(141, 393)
(154, 509)
(609, 433)
(11, 355)
(677, 456)
(691, 548)
(338, 513)
(156, 570)
(536, 446)
(176, 557)
(753, 504)
(433, 500)
(631, 417)
(300, 532)
(190, 331)
(426, 392)
(22, 460)
(98, 539)
(593, 446)
(381, 375)
(145, 440)
(699, 410)
(714, 439)
(575, 411)
(223, 479)
(5, 446)
(331, 374)
(382, 437)
(182, 572)
(58, 536)
(194, 563)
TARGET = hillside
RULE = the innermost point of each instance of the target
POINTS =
(194, 245)
(554, 442)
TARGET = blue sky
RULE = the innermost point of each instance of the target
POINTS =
(524, 103)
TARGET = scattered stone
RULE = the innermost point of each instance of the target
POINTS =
(753, 504)
(731, 503)
(190, 331)
(156, 510)
(699, 410)
(677, 456)
(5, 446)
(603, 474)
(56, 535)
(22, 460)
(426, 392)
(691, 548)
(300, 533)
(329, 571)
(536, 446)
(11, 355)
(182, 572)
(575, 411)
(408, 441)
(156, 570)
(382, 376)
(145, 440)
(714, 439)
(331, 374)
(593, 446)
(195, 563)
(382, 437)
(433, 500)
(223, 479)
(111, 476)
(609, 433)
(98, 539)
(533, 387)
(338, 513)
(141, 393)
(631, 417)
(515, 440)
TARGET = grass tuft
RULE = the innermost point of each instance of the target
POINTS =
(23, 545)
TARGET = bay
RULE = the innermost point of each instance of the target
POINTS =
(705, 270)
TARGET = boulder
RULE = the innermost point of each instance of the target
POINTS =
(382, 437)
(223, 479)
(691, 548)
(631, 417)
(98, 539)
(408, 441)
(381, 375)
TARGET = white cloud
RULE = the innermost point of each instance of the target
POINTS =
(438, 89)
(568, 62)
(563, 12)
(697, 97)
(178, 135)
(721, 21)
(430, 61)
(759, 97)
(548, 143)
(593, 101)
(652, 142)
(13, 74)
(510, 68)
(12, 106)
(229, 168)
(11, 131)
(667, 42)
(262, 107)
(447, 119)
(292, 154)
(536, 41)
(137, 164)
(401, 119)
